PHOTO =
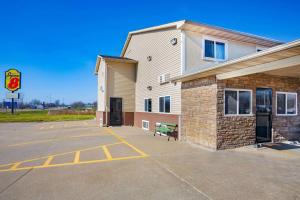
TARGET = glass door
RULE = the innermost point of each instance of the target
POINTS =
(263, 115)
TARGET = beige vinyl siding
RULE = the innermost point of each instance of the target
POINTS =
(121, 83)
(166, 58)
(194, 51)
(101, 86)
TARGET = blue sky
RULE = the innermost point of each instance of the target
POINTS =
(55, 43)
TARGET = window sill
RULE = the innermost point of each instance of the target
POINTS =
(242, 115)
(214, 59)
(286, 115)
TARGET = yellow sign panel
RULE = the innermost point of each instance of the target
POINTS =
(12, 80)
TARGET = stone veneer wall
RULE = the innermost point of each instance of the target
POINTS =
(198, 112)
(204, 122)
(240, 131)
(234, 131)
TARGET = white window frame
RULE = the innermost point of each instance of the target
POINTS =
(143, 125)
(164, 104)
(147, 105)
(238, 102)
(215, 53)
(286, 94)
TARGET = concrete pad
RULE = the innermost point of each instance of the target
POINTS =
(173, 170)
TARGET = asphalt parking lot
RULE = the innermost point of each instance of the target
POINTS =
(78, 160)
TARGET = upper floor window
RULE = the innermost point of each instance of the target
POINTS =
(286, 103)
(214, 50)
(165, 104)
(148, 105)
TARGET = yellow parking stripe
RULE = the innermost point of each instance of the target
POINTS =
(15, 166)
(61, 154)
(107, 153)
(52, 140)
(77, 157)
(48, 161)
(125, 142)
(70, 164)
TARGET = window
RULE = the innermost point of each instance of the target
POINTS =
(148, 105)
(215, 50)
(238, 102)
(165, 104)
(145, 125)
(286, 103)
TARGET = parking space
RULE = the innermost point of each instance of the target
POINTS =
(83, 148)
(78, 160)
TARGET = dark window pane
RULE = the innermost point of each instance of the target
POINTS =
(149, 105)
(209, 49)
(230, 102)
(145, 105)
(291, 104)
(220, 50)
(244, 102)
(161, 104)
(281, 104)
(167, 104)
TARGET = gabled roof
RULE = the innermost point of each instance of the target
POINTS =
(206, 29)
(111, 59)
(288, 54)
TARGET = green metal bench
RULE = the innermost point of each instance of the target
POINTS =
(169, 129)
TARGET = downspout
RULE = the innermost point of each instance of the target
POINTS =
(183, 68)
(106, 106)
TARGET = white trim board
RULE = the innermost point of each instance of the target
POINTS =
(279, 64)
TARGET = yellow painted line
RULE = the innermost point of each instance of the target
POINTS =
(60, 154)
(15, 166)
(77, 157)
(125, 142)
(107, 153)
(33, 142)
(4, 165)
(86, 135)
(48, 161)
(70, 164)
(136, 149)
(52, 140)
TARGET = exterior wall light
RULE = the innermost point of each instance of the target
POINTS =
(149, 58)
(149, 88)
(174, 41)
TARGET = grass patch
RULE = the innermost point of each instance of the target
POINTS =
(40, 116)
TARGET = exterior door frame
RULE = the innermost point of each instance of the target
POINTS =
(264, 116)
(115, 117)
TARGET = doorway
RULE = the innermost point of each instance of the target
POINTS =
(263, 115)
(115, 111)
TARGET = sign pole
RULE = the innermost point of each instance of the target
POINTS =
(12, 105)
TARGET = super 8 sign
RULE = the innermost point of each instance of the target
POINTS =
(12, 80)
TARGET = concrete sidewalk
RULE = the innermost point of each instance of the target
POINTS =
(171, 170)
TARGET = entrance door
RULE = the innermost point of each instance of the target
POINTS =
(115, 111)
(263, 115)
